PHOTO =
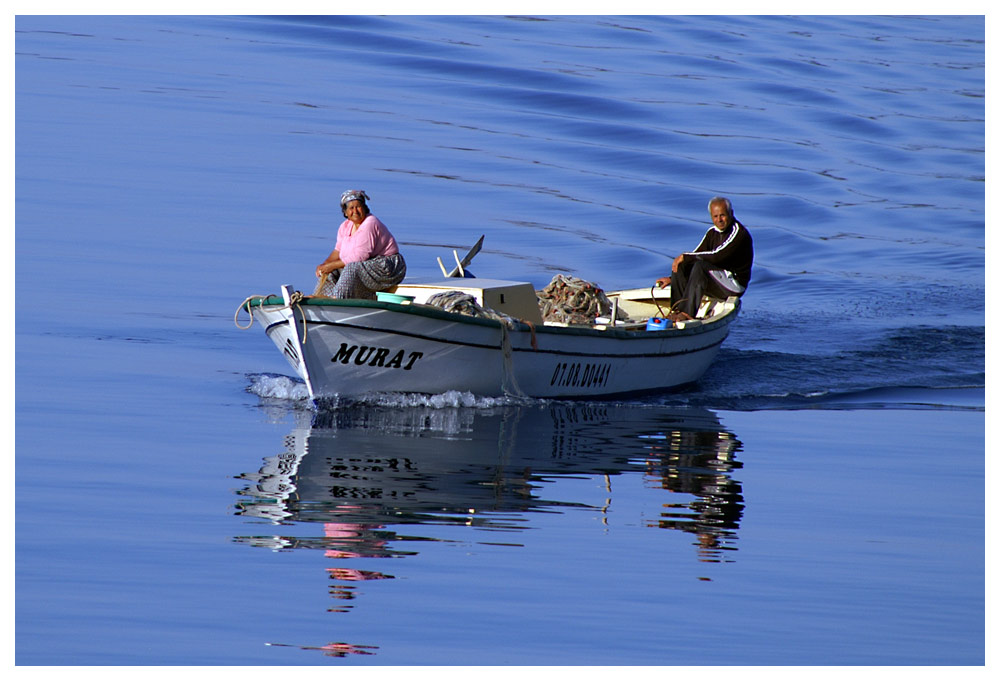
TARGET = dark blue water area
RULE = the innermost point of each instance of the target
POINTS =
(817, 498)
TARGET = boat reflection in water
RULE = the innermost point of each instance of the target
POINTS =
(379, 478)
(359, 469)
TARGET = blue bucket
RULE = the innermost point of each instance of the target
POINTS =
(657, 324)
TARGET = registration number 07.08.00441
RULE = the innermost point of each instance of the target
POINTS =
(581, 374)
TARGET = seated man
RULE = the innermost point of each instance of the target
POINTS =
(719, 267)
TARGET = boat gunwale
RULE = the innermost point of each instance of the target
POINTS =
(443, 315)
(531, 350)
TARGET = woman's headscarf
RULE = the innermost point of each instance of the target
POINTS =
(353, 195)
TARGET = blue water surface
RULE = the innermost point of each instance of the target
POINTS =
(816, 499)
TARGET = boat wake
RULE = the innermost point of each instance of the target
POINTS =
(960, 398)
(276, 390)
(277, 387)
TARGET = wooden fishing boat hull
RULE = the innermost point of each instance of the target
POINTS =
(354, 347)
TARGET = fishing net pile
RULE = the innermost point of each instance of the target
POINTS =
(573, 301)
(464, 303)
(566, 300)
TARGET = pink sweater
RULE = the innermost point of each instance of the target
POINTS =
(372, 239)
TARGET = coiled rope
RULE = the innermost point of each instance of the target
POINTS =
(295, 299)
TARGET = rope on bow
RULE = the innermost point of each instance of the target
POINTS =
(295, 299)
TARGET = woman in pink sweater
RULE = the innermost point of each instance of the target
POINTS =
(365, 259)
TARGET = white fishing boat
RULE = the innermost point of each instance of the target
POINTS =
(400, 343)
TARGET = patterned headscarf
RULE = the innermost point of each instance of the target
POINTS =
(353, 195)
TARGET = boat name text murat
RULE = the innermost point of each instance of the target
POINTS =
(376, 357)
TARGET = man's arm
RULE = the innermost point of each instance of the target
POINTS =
(664, 282)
